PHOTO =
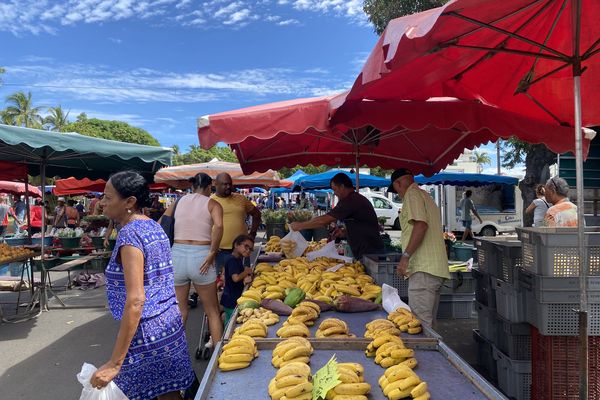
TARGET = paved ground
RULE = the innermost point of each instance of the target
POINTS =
(41, 357)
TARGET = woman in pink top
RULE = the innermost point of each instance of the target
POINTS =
(198, 232)
(563, 213)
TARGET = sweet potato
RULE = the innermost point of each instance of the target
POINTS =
(350, 304)
(324, 306)
(277, 306)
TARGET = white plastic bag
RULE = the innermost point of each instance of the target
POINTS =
(301, 243)
(109, 392)
(329, 250)
(390, 299)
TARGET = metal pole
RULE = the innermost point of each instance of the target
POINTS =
(27, 212)
(357, 168)
(498, 157)
(43, 294)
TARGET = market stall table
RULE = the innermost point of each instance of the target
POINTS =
(26, 263)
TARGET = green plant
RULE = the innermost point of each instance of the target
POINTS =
(274, 217)
(299, 216)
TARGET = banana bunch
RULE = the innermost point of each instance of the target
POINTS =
(272, 245)
(292, 381)
(250, 295)
(290, 330)
(253, 328)
(370, 291)
(267, 316)
(379, 327)
(389, 350)
(305, 313)
(352, 386)
(333, 328)
(293, 350)
(263, 267)
(405, 321)
(400, 382)
(288, 247)
(238, 353)
(314, 246)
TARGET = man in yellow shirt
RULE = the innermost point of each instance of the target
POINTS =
(424, 259)
(236, 208)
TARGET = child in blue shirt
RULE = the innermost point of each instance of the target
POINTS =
(236, 275)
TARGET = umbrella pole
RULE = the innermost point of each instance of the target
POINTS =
(356, 169)
(27, 205)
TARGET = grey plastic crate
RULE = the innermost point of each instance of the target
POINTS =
(484, 289)
(487, 321)
(499, 257)
(512, 339)
(485, 356)
(456, 306)
(382, 267)
(548, 289)
(554, 251)
(559, 319)
(514, 376)
(510, 302)
(459, 282)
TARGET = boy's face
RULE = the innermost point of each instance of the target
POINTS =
(246, 248)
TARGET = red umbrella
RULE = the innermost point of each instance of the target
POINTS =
(12, 171)
(423, 135)
(72, 186)
(18, 188)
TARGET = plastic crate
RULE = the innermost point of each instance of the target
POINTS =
(459, 282)
(382, 267)
(456, 306)
(499, 257)
(463, 252)
(559, 319)
(487, 321)
(485, 356)
(554, 251)
(484, 289)
(510, 302)
(547, 289)
(555, 367)
(11, 241)
(514, 377)
(512, 339)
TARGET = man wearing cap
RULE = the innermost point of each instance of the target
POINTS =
(60, 214)
(357, 213)
(424, 260)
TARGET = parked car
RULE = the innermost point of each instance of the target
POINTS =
(385, 208)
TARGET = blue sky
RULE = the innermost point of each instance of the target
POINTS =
(161, 64)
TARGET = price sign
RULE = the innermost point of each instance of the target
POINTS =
(325, 379)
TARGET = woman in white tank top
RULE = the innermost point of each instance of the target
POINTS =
(198, 232)
(538, 207)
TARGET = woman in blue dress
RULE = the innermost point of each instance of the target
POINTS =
(150, 358)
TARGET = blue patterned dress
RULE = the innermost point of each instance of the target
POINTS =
(157, 361)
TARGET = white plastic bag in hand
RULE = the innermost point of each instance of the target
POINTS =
(330, 251)
(301, 243)
(109, 392)
(390, 299)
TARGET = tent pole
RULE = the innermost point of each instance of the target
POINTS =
(357, 169)
(27, 206)
(43, 295)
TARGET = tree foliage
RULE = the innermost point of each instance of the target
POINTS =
(309, 169)
(381, 12)
(57, 119)
(481, 159)
(112, 130)
(197, 155)
(21, 112)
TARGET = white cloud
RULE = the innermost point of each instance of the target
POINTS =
(288, 22)
(115, 40)
(238, 16)
(228, 9)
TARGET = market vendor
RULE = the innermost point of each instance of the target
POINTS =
(424, 259)
(357, 213)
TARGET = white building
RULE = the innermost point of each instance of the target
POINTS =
(465, 163)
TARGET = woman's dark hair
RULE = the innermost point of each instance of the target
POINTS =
(201, 180)
(468, 193)
(38, 202)
(241, 239)
(342, 179)
(132, 184)
(540, 190)
(71, 203)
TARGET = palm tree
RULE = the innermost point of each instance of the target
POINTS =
(57, 119)
(21, 112)
(481, 159)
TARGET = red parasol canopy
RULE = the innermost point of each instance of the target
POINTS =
(73, 187)
(12, 171)
(18, 188)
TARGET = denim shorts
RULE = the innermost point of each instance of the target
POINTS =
(467, 224)
(187, 259)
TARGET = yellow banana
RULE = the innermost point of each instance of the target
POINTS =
(289, 380)
(223, 366)
(347, 376)
(414, 331)
(350, 397)
(293, 368)
(312, 305)
(298, 351)
(411, 363)
(303, 359)
(305, 396)
(236, 358)
(398, 394)
(402, 353)
(348, 290)
(256, 332)
(299, 389)
(419, 390)
(353, 388)
(409, 382)
(293, 330)
(425, 396)
(356, 367)
(333, 331)
(389, 361)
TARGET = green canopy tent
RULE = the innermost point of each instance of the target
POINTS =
(71, 154)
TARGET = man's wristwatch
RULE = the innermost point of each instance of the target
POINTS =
(406, 254)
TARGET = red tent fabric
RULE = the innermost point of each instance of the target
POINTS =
(73, 187)
(490, 50)
(18, 188)
(423, 135)
(12, 171)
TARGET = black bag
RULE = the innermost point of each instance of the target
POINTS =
(167, 222)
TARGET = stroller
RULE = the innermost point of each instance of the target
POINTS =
(204, 349)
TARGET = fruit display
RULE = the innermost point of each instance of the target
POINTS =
(350, 304)
(389, 350)
(352, 386)
(238, 353)
(314, 246)
(380, 327)
(292, 381)
(305, 313)
(249, 295)
(8, 253)
(405, 321)
(400, 382)
(273, 245)
(253, 327)
(277, 306)
(293, 296)
(293, 350)
(288, 247)
(268, 317)
(289, 331)
(333, 328)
